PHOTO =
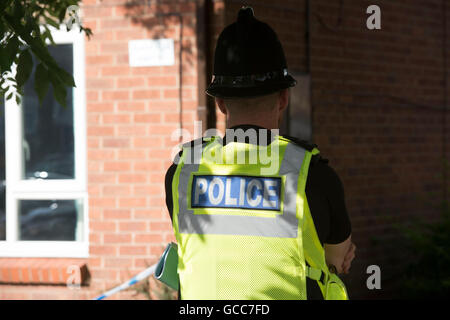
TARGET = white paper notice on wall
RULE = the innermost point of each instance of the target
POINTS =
(149, 52)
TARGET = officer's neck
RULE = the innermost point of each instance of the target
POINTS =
(268, 122)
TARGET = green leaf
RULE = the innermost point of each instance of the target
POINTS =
(60, 95)
(52, 22)
(41, 82)
(9, 96)
(65, 77)
(24, 67)
(59, 90)
(62, 15)
(18, 11)
(9, 53)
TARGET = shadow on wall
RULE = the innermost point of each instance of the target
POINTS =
(163, 19)
(175, 20)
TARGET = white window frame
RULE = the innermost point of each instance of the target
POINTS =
(74, 189)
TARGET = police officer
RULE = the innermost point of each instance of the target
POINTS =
(246, 233)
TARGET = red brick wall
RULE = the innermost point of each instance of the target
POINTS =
(377, 99)
(377, 106)
(131, 114)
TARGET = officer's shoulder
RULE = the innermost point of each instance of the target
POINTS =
(199, 142)
(316, 158)
(302, 143)
(196, 142)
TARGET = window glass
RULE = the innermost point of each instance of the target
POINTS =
(48, 136)
(50, 220)
(2, 174)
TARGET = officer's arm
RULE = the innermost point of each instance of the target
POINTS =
(339, 255)
(339, 249)
(168, 187)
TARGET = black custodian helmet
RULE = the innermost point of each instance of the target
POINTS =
(249, 60)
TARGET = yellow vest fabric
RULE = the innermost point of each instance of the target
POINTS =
(244, 231)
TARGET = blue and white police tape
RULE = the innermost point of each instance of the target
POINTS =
(140, 276)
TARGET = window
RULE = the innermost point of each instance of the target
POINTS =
(2, 174)
(43, 194)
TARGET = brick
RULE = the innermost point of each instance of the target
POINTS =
(146, 142)
(100, 60)
(117, 190)
(55, 275)
(130, 34)
(156, 250)
(148, 190)
(100, 107)
(132, 250)
(99, 11)
(137, 154)
(148, 238)
(4, 275)
(145, 71)
(132, 178)
(162, 129)
(146, 94)
(162, 106)
(132, 130)
(148, 166)
(132, 202)
(132, 226)
(172, 117)
(99, 83)
(118, 263)
(116, 118)
(93, 118)
(158, 226)
(132, 82)
(111, 238)
(116, 142)
(94, 190)
(116, 166)
(115, 95)
(100, 154)
(102, 226)
(102, 250)
(100, 130)
(162, 81)
(131, 106)
(119, 214)
(25, 273)
(114, 23)
(101, 178)
(102, 202)
(148, 214)
(147, 118)
(113, 47)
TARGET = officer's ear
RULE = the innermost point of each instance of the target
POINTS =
(221, 104)
(283, 99)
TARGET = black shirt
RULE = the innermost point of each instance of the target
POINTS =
(325, 195)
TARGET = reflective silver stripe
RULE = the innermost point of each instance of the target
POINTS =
(186, 218)
(281, 226)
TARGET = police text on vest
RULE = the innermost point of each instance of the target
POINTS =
(235, 191)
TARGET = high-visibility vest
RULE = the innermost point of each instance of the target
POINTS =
(244, 228)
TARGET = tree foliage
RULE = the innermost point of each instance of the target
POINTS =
(427, 276)
(25, 31)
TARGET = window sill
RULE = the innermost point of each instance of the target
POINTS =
(44, 271)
